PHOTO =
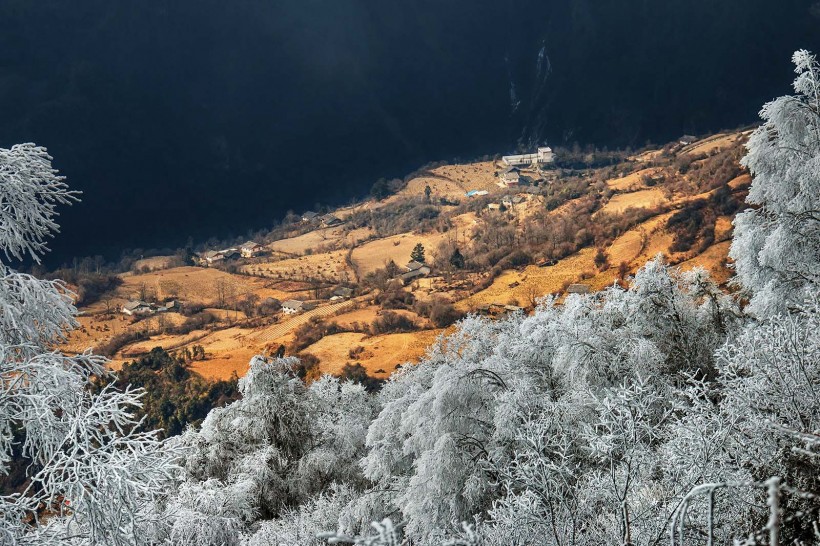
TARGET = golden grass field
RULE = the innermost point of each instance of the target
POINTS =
(533, 281)
(715, 142)
(381, 354)
(631, 245)
(637, 199)
(330, 266)
(191, 284)
(438, 188)
(315, 239)
(375, 254)
(633, 181)
(473, 176)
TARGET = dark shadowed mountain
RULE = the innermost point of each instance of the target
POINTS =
(198, 118)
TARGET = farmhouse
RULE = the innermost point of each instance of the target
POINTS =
(250, 249)
(510, 176)
(137, 307)
(291, 307)
(170, 306)
(493, 206)
(211, 257)
(687, 139)
(410, 276)
(413, 265)
(230, 253)
(309, 216)
(341, 292)
(328, 220)
(542, 156)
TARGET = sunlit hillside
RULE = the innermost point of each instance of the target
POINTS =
(587, 221)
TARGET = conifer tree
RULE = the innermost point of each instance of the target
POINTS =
(418, 253)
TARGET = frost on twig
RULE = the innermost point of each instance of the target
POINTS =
(30, 190)
(93, 476)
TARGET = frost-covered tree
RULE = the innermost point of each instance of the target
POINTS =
(547, 428)
(92, 477)
(776, 244)
(269, 454)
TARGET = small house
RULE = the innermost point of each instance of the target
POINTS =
(413, 265)
(250, 249)
(578, 289)
(329, 220)
(137, 307)
(410, 276)
(510, 176)
(687, 139)
(292, 307)
(309, 216)
(493, 206)
(341, 292)
(171, 306)
(211, 257)
(230, 253)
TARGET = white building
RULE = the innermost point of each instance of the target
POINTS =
(137, 307)
(542, 156)
(250, 249)
(291, 307)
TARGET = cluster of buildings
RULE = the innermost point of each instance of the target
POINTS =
(249, 249)
(510, 175)
(142, 308)
(293, 307)
(327, 220)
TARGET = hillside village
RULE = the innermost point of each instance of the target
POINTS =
(370, 286)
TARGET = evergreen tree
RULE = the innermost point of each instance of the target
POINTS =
(418, 253)
(457, 259)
